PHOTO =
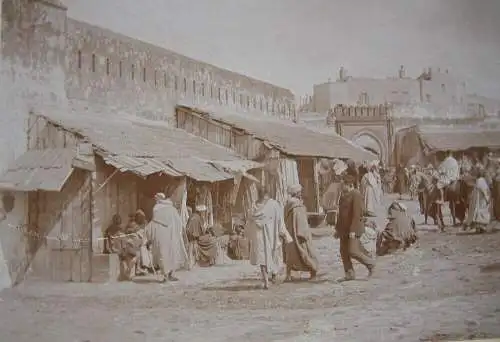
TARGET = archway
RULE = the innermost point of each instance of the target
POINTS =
(370, 143)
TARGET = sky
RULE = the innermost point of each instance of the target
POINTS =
(299, 43)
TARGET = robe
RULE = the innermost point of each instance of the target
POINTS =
(330, 202)
(400, 232)
(401, 181)
(202, 245)
(370, 192)
(466, 165)
(479, 204)
(145, 259)
(449, 172)
(265, 228)
(204, 197)
(165, 231)
(299, 254)
(369, 238)
(378, 188)
(331, 197)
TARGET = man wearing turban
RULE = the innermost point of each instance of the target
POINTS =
(165, 231)
(299, 254)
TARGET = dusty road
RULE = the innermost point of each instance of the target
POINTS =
(438, 290)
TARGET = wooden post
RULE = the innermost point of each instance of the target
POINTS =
(316, 184)
(91, 223)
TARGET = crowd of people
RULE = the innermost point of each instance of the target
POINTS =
(164, 244)
(277, 236)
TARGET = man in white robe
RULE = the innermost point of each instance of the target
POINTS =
(370, 189)
(479, 214)
(266, 230)
(449, 172)
(165, 231)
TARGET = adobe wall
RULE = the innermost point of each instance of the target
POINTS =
(47, 58)
(32, 74)
(438, 88)
(122, 72)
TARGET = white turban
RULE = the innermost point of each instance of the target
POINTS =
(160, 196)
(294, 189)
(201, 207)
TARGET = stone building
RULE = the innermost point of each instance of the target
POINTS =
(432, 86)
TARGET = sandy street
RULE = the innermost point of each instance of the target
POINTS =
(438, 291)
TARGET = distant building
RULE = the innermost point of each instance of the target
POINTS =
(433, 86)
(369, 111)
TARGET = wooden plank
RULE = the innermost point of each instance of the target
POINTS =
(317, 193)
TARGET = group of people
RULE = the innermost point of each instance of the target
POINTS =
(281, 235)
(162, 245)
(470, 185)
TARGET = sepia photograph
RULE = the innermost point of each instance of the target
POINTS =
(249, 171)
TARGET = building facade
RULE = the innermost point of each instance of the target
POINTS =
(433, 86)
(49, 58)
(49, 61)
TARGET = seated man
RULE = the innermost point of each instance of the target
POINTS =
(128, 245)
(400, 232)
(203, 243)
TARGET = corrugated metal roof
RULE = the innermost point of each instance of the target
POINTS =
(235, 166)
(291, 138)
(140, 166)
(45, 170)
(200, 170)
(458, 139)
(144, 147)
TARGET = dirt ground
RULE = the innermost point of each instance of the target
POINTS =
(440, 290)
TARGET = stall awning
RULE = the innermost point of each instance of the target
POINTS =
(46, 170)
(139, 146)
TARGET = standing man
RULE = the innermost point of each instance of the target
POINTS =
(330, 200)
(349, 228)
(369, 188)
(299, 254)
(267, 230)
(165, 231)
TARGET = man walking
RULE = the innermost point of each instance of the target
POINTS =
(165, 231)
(350, 227)
(267, 233)
(300, 255)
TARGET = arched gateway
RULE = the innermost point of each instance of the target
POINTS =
(369, 142)
(368, 126)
